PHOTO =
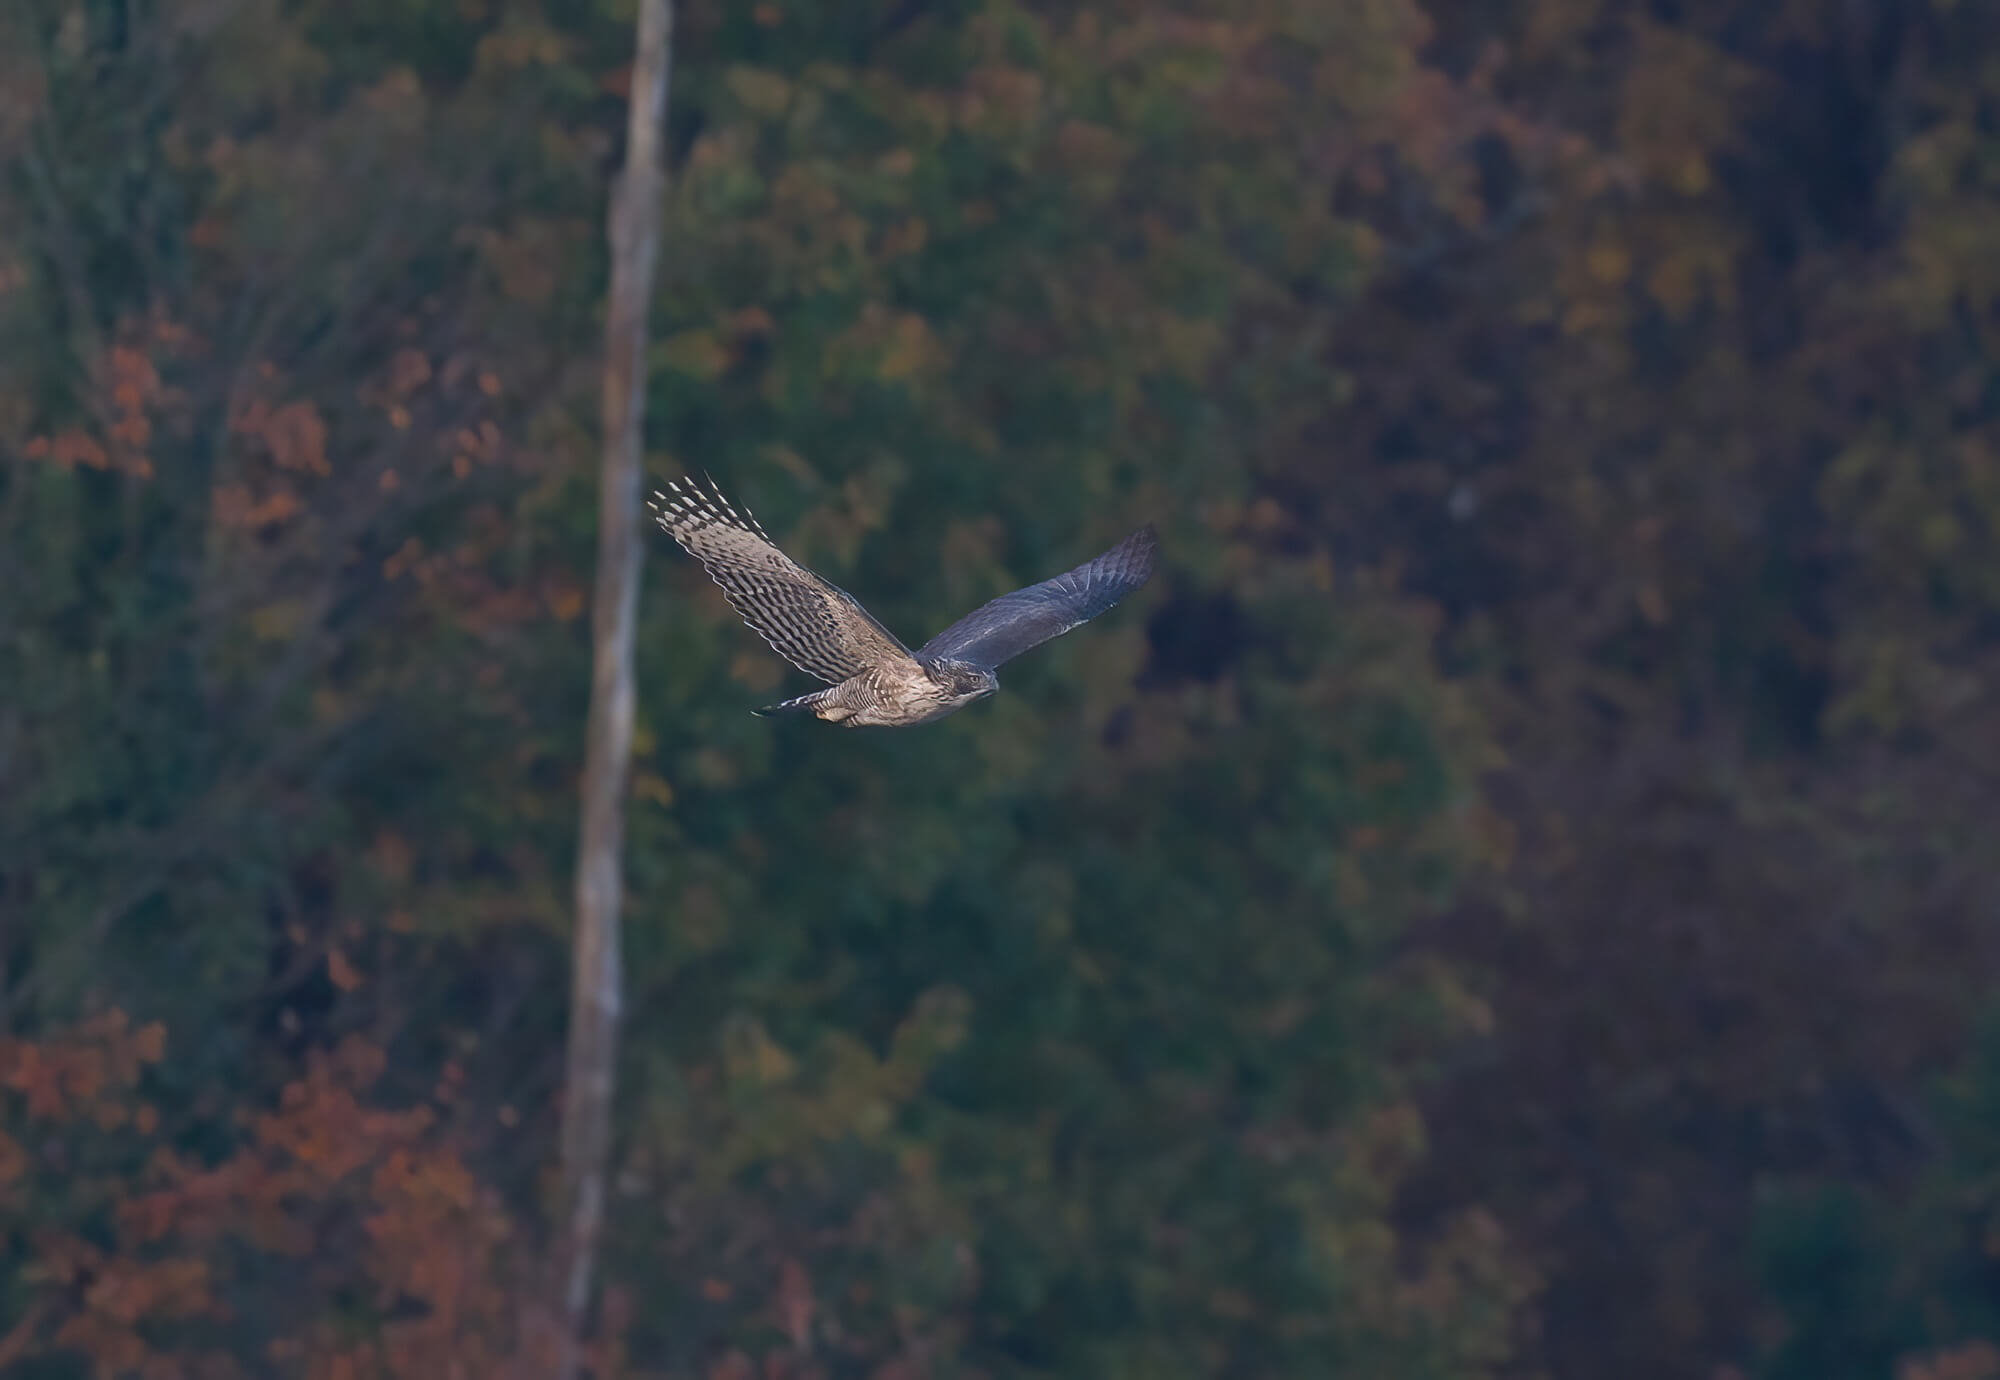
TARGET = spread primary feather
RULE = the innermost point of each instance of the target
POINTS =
(824, 631)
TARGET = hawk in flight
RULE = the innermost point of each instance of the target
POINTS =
(874, 679)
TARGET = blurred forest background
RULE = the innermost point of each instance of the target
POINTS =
(1515, 897)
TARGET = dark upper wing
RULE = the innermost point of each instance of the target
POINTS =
(812, 623)
(1010, 625)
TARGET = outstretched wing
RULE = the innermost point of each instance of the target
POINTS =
(810, 622)
(1010, 625)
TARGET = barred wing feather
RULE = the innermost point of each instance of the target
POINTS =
(811, 622)
(999, 631)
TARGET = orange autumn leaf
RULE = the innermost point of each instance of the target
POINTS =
(340, 972)
(150, 1043)
(68, 449)
(39, 1080)
(133, 378)
(297, 438)
(409, 371)
(1973, 1361)
(565, 601)
(236, 506)
(14, 1160)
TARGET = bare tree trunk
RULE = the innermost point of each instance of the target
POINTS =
(589, 1080)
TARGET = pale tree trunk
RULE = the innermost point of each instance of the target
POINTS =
(589, 1077)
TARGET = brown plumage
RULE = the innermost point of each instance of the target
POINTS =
(824, 631)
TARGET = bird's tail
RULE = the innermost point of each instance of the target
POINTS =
(804, 704)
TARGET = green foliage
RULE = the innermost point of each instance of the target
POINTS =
(1492, 904)
(1067, 1037)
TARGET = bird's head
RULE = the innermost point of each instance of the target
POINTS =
(962, 681)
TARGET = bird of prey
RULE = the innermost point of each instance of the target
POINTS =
(823, 630)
